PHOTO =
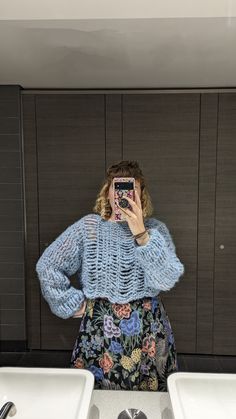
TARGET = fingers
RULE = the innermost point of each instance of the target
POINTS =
(135, 205)
(128, 212)
(138, 200)
(80, 312)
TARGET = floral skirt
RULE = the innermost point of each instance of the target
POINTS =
(126, 346)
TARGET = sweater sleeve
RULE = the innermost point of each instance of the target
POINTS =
(162, 268)
(59, 260)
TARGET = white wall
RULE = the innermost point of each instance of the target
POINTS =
(97, 9)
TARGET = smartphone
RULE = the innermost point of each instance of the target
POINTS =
(123, 187)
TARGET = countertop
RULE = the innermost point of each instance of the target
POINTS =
(155, 405)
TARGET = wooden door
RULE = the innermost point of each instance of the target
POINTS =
(162, 132)
(225, 229)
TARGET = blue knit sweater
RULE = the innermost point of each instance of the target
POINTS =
(108, 262)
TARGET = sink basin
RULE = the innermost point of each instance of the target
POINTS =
(202, 395)
(47, 393)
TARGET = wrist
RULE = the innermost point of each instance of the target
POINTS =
(141, 241)
(140, 234)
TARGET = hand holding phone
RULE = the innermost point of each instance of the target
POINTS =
(128, 207)
(123, 187)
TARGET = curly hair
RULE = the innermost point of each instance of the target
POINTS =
(124, 168)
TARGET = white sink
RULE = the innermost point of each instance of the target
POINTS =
(47, 393)
(202, 395)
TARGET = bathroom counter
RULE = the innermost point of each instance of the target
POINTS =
(155, 405)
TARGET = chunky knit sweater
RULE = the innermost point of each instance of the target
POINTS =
(108, 262)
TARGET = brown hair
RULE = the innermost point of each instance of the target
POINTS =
(124, 168)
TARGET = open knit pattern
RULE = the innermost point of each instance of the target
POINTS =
(109, 263)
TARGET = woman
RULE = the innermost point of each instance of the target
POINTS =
(125, 337)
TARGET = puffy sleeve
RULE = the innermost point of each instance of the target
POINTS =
(59, 260)
(162, 267)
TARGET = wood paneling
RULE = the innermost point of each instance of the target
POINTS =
(225, 230)
(71, 166)
(206, 222)
(114, 143)
(12, 298)
(32, 222)
(70, 140)
(162, 133)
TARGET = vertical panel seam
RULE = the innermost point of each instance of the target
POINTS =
(198, 197)
(214, 242)
(24, 208)
(105, 131)
(37, 177)
(122, 126)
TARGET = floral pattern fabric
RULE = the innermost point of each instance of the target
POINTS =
(126, 346)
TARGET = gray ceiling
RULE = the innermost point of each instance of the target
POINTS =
(119, 53)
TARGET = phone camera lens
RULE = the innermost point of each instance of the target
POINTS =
(120, 194)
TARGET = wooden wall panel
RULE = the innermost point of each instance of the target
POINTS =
(206, 222)
(114, 143)
(162, 133)
(32, 221)
(71, 166)
(12, 257)
(70, 140)
(225, 229)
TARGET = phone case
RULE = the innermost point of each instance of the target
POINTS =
(120, 193)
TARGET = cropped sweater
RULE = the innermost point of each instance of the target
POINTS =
(108, 263)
